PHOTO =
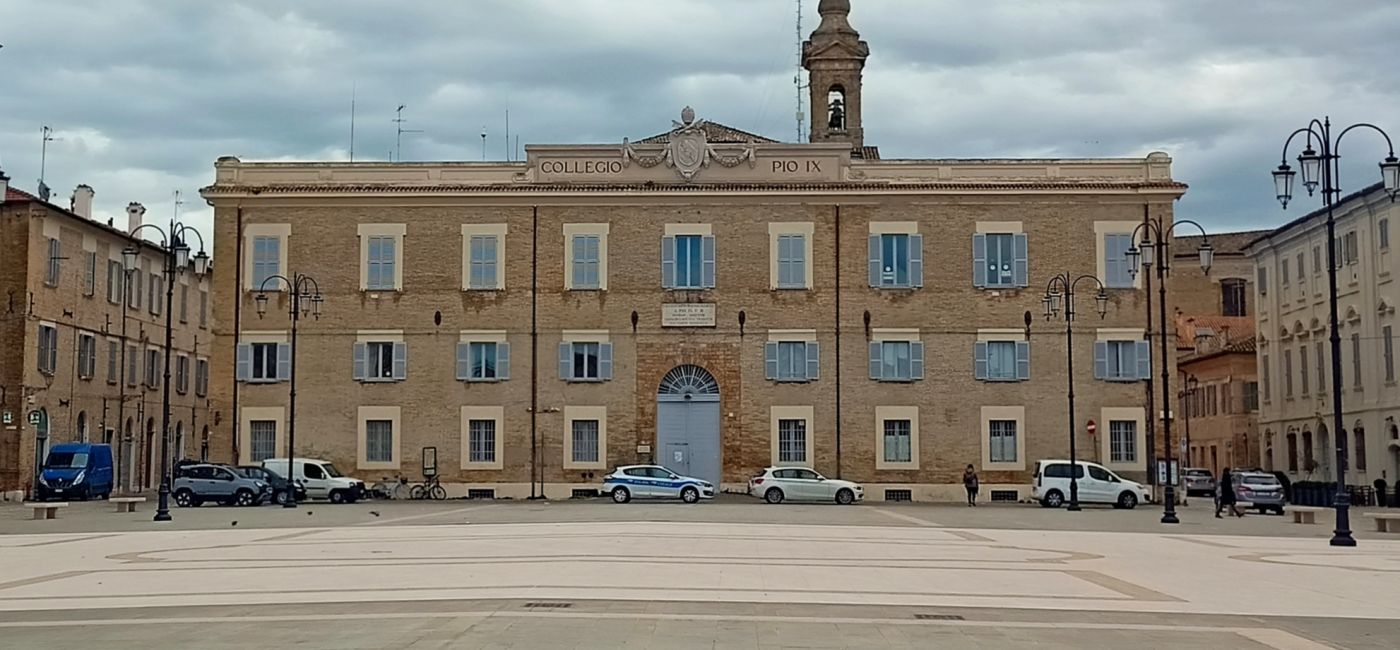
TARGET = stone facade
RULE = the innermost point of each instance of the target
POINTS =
(103, 407)
(1221, 414)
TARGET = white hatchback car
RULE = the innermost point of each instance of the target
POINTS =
(777, 484)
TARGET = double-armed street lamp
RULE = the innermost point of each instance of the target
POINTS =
(305, 300)
(1062, 288)
(174, 241)
(1323, 168)
(1148, 253)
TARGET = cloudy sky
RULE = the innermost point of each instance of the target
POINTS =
(143, 95)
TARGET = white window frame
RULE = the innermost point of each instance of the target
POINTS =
(674, 231)
(778, 414)
(280, 231)
(573, 413)
(497, 230)
(270, 350)
(47, 355)
(883, 413)
(495, 414)
(250, 414)
(253, 443)
(572, 230)
(908, 337)
(776, 232)
(368, 231)
(1107, 416)
(910, 230)
(392, 414)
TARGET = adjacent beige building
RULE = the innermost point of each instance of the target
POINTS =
(84, 339)
(705, 298)
(1296, 385)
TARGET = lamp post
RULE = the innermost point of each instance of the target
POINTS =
(1144, 253)
(177, 258)
(1060, 287)
(306, 300)
(1323, 168)
(1185, 397)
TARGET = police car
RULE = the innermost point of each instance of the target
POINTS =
(654, 482)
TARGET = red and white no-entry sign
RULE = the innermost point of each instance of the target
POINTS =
(1091, 427)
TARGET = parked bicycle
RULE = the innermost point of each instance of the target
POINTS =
(391, 489)
(429, 489)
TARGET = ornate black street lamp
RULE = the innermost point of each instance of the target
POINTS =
(177, 258)
(1062, 287)
(306, 300)
(1323, 168)
(1144, 253)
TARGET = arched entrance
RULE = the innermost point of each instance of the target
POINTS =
(687, 423)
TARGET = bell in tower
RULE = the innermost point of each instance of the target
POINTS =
(835, 58)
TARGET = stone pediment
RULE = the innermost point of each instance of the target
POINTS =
(842, 50)
(714, 133)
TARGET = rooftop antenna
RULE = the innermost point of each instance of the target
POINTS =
(399, 131)
(508, 156)
(46, 136)
(483, 143)
(797, 79)
(352, 121)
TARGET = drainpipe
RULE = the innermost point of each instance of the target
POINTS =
(534, 350)
(838, 341)
(237, 326)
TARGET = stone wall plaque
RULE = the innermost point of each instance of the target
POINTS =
(688, 314)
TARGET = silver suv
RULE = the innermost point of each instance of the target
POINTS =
(1261, 491)
(199, 483)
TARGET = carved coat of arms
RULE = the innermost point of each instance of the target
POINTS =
(688, 150)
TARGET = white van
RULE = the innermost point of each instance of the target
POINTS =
(320, 478)
(1050, 485)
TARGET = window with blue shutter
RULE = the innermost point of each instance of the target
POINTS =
(896, 261)
(1023, 360)
(284, 362)
(380, 262)
(792, 361)
(1122, 360)
(690, 262)
(896, 360)
(1000, 261)
(1002, 360)
(483, 361)
(792, 261)
(484, 265)
(380, 361)
(267, 260)
(1115, 260)
(586, 262)
(585, 361)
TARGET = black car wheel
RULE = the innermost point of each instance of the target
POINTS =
(281, 498)
(1053, 499)
(338, 496)
(621, 495)
(773, 495)
(244, 498)
(186, 499)
(1127, 501)
(845, 497)
(690, 494)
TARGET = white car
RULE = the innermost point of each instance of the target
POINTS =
(777, 484)
(1050, 485)
(654, 482)
(320, 479)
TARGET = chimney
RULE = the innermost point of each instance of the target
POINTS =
(134, 212)
(82, 201)
(4, 185)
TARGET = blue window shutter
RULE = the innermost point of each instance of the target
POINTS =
(1021, 271)
(799, 261)
(245, 362)
(492, 270)
(1023, 360)
(284, 362)
(605, 361)
(579, 267)
(359, 364)
(916, 260)
(877, 362)
(566, 361)
(875, 260)
(979, 260)
(464, 361)
(400, 361)
(979, 360)
(1100, 359)
(707, 272)
(502, 361)
(770, 360)
(814, 360)
(916, 360)
(668, 262)
(1144, 359)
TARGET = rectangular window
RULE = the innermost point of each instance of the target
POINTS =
(1283, 276)
(484, 263)
(201, 377)
(898, 441)
(1321, 367)
(182, 374)
(1122, 441)
(157, 285)
(379, 361)
(133, 292)
(184, 303)
(896, 360)
(379, 441)
(380, 262)
(1264, 376)
(894, 261)
(1383, 233)
(1002, 360)
(1300, 266)
(55, 260)
(1288, 374)
(1003, 441)
(90, 273)
(1116, 272)
(483, 361)
(264, 362)
(48, 349)
(585, 362)
(1251, 396)
(203, 308)
(1122, 360)
(481, 441)
(585, 441)
(1388, 353)
(115, 282)
(133, 365)
(262, 440)
(113, 362)
(1001, 260)
(1263, 281)
(1317, 260)
(267, 261)
(1356, 359)
(1352, 250)
(87, 356)
(1232, 297)
(791, 360)
(689, 262)
(1303, 369)
(792, 441)
(587, 262)
(792, 261)
(153, 369)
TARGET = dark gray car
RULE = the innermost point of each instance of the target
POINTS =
(1262, 491)
(199, 483)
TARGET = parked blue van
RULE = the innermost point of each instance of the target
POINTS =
(76, 471)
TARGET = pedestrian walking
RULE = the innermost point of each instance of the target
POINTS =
(970, 484)
(1227, 495)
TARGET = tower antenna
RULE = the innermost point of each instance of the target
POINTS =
(399, 131)
(352, 121)
(46, 136)
(797, 78)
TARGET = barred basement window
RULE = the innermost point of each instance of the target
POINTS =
(481, 493)
(1005, 496)
(262, 440)
(899, 495)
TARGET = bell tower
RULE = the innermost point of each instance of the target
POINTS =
(835, 57)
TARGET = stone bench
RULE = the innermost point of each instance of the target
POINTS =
(46, 510)
(126, 504)
(1305, 514)
(1386, 522)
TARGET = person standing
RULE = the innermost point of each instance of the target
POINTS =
(970, 484)
(1227, 495)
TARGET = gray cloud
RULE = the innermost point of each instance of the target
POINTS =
(145, 94)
